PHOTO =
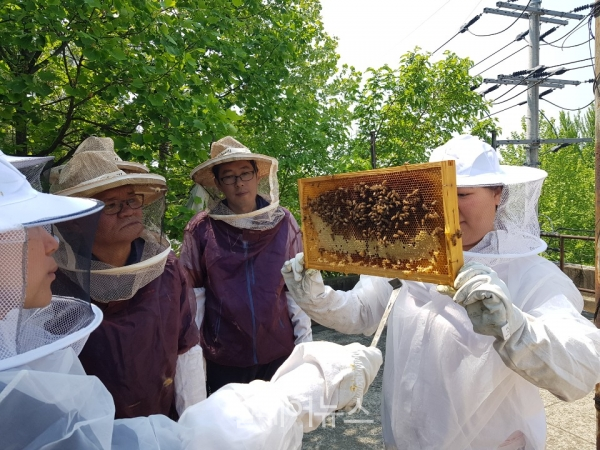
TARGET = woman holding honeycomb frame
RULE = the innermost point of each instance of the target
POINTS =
(465, 374)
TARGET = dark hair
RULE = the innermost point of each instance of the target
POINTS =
(215, 169)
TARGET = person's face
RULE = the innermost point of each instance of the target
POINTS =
(477, 211)
(41, 267)
(241, 195)
(121, 228)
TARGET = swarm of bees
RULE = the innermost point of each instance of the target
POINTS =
(376, 212)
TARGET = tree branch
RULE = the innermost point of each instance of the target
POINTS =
(45, 62)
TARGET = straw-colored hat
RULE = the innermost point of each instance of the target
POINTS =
(89, 173)
(226, 150)
(107, 147)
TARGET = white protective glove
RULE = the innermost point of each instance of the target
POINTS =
(300, 321)
(322, 377)
(487, 301)
(190, 379)
(304, 285)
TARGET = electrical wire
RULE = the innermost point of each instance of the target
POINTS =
(502, 60)
(567, 63)
(469, 15)
(510, 107)
(492, 54)
(422, 23)
(509, 99)
(502, 31)
(569, 109)
(579, 25)
(562, 47)
(550, 123)
(457, 33)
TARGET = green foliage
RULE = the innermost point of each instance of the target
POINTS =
(164, 79)
(416, 107)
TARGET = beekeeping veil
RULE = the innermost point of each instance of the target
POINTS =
(32, 167)
(89, 173)
(516, 230)
(27, 333)
(227, 150)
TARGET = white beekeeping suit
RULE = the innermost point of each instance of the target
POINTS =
(46, 399)
(446, 386)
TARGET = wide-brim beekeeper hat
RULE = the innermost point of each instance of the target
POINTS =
(516, 229)
(227, 150)
(478, 164)
(88, 173)
(107, 147)
(21, 204)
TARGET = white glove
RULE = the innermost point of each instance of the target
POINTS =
(487, 301)
(322, 377)
(190, 379)
(300, 321)
(304, 285)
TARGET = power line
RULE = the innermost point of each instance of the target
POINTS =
(445, 43)
(462, 29)
(422, 23)
(569, 109)
(567, 63)
(519, 37)
(510, 107)
(569, 46)
(478, 3)
(502, 31)
(579, 24)
(550, 123)
(502, 60)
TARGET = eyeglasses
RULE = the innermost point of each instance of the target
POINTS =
(115, 207)
(232, 179)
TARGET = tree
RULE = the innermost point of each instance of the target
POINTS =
(163, 79)
(417, 107)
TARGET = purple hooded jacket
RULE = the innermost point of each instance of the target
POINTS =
(246, 320)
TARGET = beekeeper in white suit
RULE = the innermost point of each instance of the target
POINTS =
(46, 399)
(465, 374)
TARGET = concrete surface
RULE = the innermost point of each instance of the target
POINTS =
(571, 426)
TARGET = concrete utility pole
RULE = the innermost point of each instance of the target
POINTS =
(535, 76)
(532, 119)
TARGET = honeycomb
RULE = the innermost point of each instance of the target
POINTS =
(395, 222)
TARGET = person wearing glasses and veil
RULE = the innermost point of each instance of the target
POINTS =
(232, 252)
(146, 349)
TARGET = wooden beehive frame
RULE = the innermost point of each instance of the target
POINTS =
(322, 248)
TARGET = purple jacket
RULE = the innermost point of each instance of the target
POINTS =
(246, 321)
(134, 350)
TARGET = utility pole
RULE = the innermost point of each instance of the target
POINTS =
(532, 119)
(535, 76)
